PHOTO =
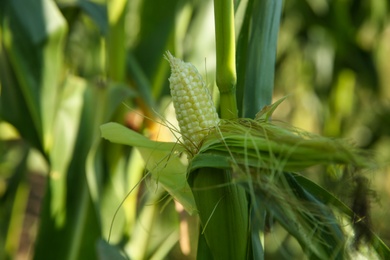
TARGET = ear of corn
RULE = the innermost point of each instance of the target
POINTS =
(222, 205)
(194, 107)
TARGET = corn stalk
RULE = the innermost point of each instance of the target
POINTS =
(222, 205)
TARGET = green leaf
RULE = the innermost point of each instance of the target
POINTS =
(120, 134)
(97, 12)
(116, 95)
(13, 106)
(167, 169)
(70, 231)
(258, 56)
(154, 34)
(322, 219)
(33, 40)
(243, 19)
(161, 160)
(65, 131)
(267, 111)
(108, 252)
(141, 81)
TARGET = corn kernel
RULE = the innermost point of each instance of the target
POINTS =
(194, 107)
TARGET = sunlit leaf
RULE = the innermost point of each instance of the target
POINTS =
(161, 160)
(117, 133)
(33, 39)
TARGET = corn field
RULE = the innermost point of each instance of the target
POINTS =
(194, 129)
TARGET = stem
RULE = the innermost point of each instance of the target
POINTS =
(226, 62)
(222, 205)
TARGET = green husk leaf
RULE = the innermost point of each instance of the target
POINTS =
(223, 212)
(260, 143)
(261, 154)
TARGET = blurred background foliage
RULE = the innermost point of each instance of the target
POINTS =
(68, 66)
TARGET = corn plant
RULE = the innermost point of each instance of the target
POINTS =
(74, 71)
(240, 170)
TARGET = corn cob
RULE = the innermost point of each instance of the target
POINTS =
(192, 101)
